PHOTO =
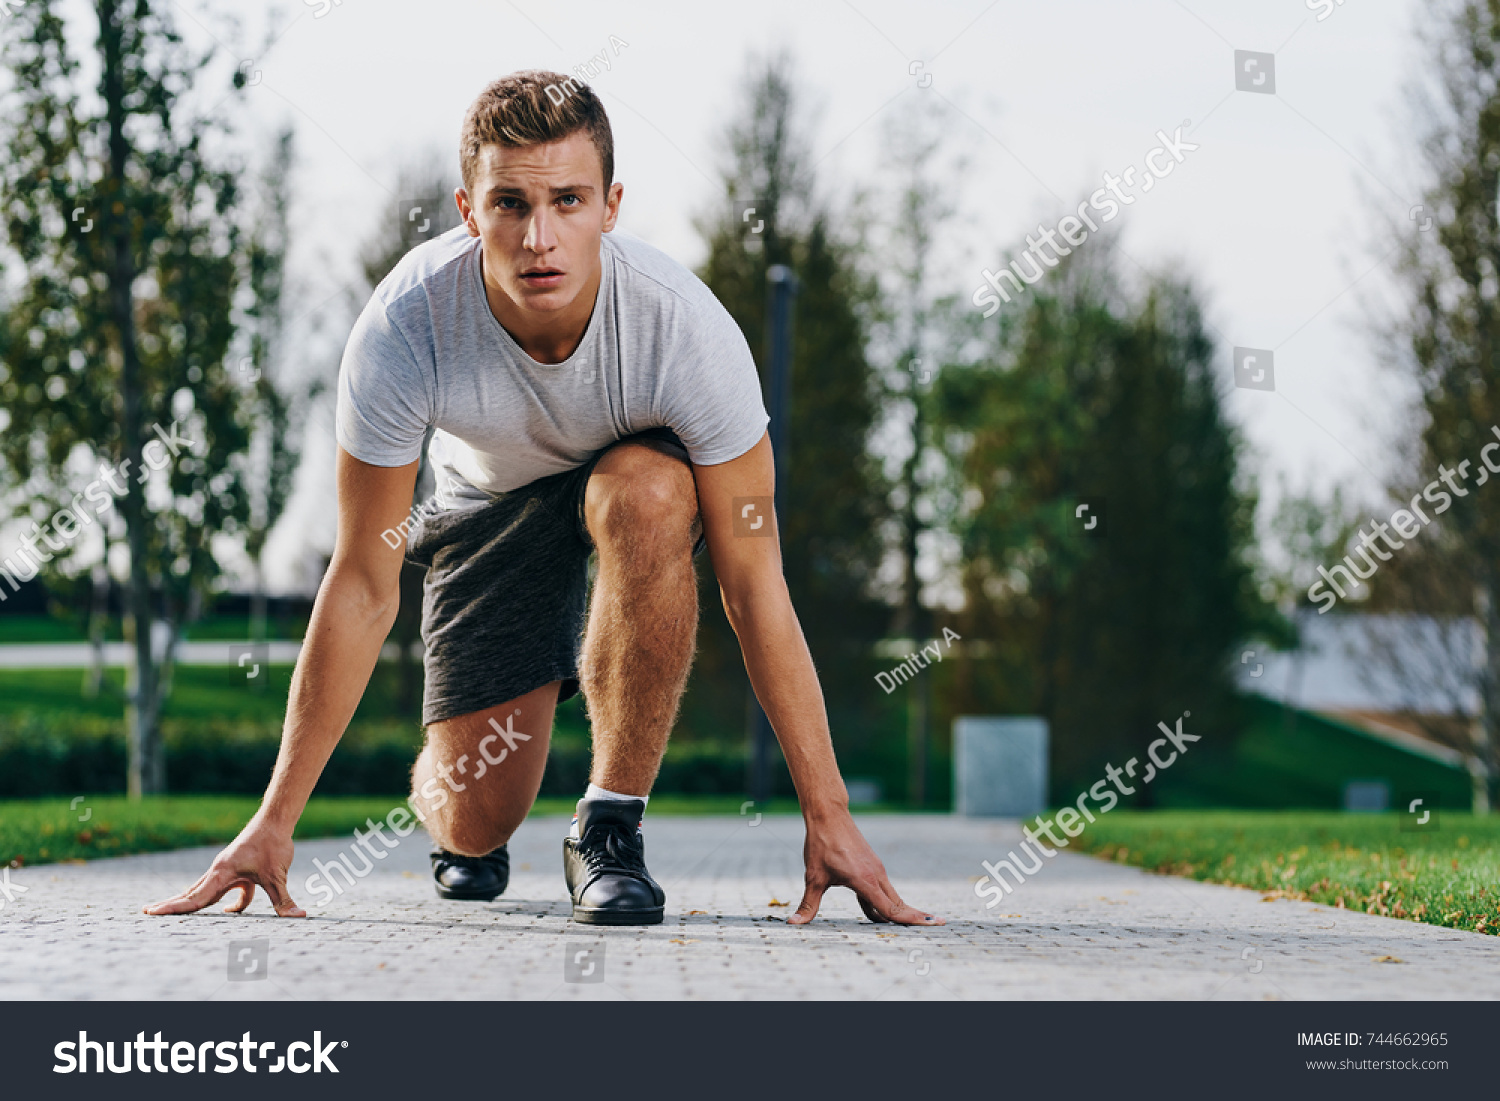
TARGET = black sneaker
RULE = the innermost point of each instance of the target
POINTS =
(475, 878)
(606, 866)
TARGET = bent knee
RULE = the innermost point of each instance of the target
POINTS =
(646, 497)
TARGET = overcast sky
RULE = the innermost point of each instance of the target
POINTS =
(1277, 214)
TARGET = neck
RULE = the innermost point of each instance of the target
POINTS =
(546, 337)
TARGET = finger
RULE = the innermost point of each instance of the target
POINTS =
(880, 896)
(276, 891)
(807, 909)
(247, 892)
(205, 892)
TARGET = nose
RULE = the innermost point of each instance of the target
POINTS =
(540, 237)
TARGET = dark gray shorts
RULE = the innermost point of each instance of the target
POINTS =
(506, 591)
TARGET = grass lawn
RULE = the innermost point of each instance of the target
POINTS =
(1448, 877)
(44, 831)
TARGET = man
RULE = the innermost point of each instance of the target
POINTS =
(589, 395)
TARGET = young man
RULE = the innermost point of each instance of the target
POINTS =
(589, 395)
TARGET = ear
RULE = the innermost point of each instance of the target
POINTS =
(466, 210)
(612, 204)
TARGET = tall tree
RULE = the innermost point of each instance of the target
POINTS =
(1448, 339)
(1091, 403)
(913, 324)
(116, 334)
(833, 498)
(275, 452)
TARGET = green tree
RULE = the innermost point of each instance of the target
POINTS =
(1091, 403)
(128, 237)
(833, 498)
(274, 410)
(912, 324)
(1448, 340)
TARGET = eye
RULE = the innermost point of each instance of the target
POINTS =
(576, 200)
(505, 199)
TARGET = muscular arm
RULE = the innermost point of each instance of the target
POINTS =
(354, 611)
(781, 672)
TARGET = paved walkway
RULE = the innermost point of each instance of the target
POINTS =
(1080, 928)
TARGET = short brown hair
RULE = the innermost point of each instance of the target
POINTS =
(533, 107)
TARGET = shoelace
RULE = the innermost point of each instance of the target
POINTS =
(613, 849)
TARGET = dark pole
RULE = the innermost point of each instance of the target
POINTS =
(781, 291)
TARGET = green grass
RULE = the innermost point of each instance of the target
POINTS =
(1449, 877)
(37, 831)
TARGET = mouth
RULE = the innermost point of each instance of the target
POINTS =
(542, 277)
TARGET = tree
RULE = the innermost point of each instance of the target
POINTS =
(1091, 404)
(833, 499)
(114, 340)
(1448, 339)
(274, 411)
(912, 322)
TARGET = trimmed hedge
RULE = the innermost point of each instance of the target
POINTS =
(72, 755)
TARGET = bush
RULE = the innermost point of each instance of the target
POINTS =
(70, 755)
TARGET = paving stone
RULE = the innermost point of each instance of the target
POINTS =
(1080, 928)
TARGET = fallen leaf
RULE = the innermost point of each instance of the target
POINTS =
(1009, 915)
(380, 968)
(1388, 959)
(775, 902)
(677, 940)
(691, 912)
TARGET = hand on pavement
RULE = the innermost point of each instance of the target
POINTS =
(259, 855)
(837, 855)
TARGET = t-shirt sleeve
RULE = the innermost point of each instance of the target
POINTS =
(714, 402)
(384, 399)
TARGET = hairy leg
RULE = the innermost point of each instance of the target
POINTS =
(640, 505)
(478, 775)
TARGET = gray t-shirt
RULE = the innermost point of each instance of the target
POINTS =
(659, 350)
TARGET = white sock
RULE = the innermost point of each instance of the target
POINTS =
(596, 792)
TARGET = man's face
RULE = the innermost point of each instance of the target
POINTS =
(540, 211)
